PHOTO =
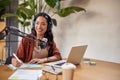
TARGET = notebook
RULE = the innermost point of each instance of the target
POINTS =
(75, 56)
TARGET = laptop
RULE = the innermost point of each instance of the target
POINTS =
(75, 56)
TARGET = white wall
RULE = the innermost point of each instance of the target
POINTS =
(99, 27)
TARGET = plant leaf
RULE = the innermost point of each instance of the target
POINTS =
(51, 3)
(25, 4)
(57, 4)
(31, 4)
(8, 15)
(68, 10)
(26, 11)
(54, 22)
(24, 23)
(22, 15)
(20, 21)
(27, 23)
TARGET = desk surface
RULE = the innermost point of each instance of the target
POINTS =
(101, 71)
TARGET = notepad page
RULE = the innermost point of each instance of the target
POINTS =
(26, 75)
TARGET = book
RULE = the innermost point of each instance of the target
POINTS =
(25, 74)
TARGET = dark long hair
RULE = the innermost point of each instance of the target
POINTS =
(48, 34)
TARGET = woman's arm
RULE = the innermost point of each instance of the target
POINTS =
(44, 60)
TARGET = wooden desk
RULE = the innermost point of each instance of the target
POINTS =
(101, 71)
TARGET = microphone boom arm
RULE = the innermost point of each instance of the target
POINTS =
(15, 31)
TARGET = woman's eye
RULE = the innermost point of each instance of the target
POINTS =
(37, 23)
(43, 24)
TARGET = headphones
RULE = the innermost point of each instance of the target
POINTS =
(47, 17)
(43, 43)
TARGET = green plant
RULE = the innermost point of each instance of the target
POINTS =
(26, 10)
(62, 12)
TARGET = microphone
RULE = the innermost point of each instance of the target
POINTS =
(43, 43)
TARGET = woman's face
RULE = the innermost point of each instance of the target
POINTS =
(41, 25)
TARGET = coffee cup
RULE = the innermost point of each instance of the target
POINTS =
(68, 71)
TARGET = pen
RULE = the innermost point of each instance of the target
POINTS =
(53, 68)
(17, 58)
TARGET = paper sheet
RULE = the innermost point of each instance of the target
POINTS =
(25, 66)
(23, 74)
(31, 66)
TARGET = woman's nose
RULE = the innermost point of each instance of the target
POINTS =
(39, 25)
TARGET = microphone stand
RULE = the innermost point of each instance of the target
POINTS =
(15, 31)
(8, 30)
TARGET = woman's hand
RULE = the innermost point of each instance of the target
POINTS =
(38, 61)
(16, 63)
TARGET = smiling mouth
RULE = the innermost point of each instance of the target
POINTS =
(39, 30)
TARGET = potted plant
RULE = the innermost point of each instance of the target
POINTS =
(26, 10)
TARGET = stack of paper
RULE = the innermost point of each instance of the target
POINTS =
(24, 74)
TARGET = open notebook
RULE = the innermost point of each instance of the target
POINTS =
(75, 56)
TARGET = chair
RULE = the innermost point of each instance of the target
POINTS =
(8, 60)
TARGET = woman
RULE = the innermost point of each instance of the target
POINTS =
(30, 51)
